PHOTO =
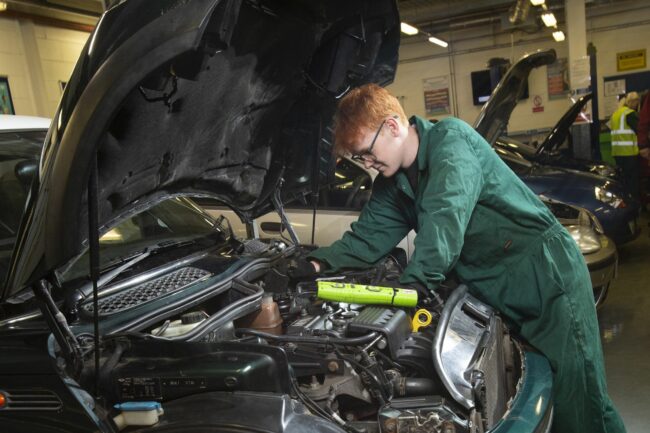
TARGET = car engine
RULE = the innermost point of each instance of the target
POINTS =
(266, 341)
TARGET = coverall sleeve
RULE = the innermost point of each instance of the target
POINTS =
(378, 230)
(452, 189)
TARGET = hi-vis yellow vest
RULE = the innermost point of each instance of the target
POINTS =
(624, 141)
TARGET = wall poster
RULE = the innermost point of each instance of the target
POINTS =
(579, 74)
(6, 103)
(436, 96)
(557, 78)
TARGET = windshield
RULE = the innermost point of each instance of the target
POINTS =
(170, 223)
(19, 154)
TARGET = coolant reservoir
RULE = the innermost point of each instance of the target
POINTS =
(266, 319)
(137, 413)
(187, 322)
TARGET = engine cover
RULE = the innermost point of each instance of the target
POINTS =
(164, 371)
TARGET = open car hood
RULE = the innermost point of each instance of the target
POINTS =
(561, 129)
(495, 114)
(227, 99)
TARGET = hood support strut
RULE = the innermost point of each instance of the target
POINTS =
(59, 325)
(277, 202)
(315, 187)
(93, 250)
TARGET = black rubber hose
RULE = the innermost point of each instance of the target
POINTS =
(414, 387)
(307, 339)
(382, 387)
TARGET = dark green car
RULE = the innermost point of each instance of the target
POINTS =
(127, 308)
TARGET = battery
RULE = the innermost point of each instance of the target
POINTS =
(364, 294)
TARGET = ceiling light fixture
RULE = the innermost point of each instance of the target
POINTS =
(536, 2)
(409, 29)
(558, 36)
(3, 6)
(437, 41)
(549, 19)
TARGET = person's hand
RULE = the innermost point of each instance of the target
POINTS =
(426, 297)
(418, 287)
(300, 268)
(645, 152)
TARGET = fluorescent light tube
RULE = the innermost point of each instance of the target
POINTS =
(549, 19)
(536, 2)
(438, 42)
(409, 29)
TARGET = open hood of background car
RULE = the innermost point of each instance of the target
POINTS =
(561, 129)
(495, 114)
(228, 99)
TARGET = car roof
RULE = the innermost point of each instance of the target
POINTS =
(10, 122)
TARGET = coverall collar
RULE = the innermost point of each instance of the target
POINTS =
(401, 179)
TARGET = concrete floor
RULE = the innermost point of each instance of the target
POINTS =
(625, 330)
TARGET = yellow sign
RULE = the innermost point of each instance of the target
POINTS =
(630, 60)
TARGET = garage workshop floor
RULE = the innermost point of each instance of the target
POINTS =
(625, 330)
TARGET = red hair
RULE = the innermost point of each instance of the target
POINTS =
(362, 109)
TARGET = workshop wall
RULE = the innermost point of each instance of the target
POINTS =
(626, 31)
(408, 82)
(13, 64)
(611, 28)
(59, 50)
(36, 59)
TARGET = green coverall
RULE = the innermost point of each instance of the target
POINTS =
(473, 214)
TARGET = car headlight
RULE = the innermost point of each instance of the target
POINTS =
(604, 170)
(608, 197)
(585, 237)
(588, 219)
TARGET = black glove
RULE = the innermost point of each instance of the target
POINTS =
(418, 287)
(426, 297)
(300, 269)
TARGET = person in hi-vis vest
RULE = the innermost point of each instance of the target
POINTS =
(625, 147)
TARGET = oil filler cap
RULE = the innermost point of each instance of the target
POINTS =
(421, 318)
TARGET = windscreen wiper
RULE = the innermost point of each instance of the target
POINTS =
(129, 262)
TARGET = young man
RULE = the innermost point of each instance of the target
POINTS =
(473, 214)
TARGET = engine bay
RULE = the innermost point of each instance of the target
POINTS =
(266, 337)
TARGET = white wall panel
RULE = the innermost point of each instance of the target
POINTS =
(35, 58)
(612, 28)
(58, 51)
(13, 64)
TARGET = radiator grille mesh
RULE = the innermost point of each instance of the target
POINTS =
(148, 291)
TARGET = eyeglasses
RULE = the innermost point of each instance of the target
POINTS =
(367, 154)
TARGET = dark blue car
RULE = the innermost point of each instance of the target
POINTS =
(602, 196)
(606, 199)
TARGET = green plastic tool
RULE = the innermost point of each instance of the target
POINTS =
(363, 294)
